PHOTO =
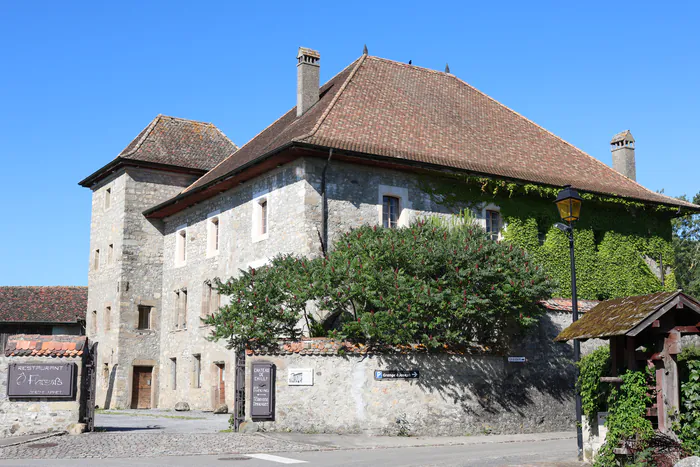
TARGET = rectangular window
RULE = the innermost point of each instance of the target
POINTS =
(93, 325)
(181, 247)
(108, 198)
(144, 317)
(263, 217)
(96, 260)
(173, 373)
(213, 236)
(493, 224)
(390, 212)
(197, 371)
(181, 306)
(110, 253)
(108, 317)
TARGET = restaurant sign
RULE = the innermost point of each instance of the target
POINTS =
(41, 380)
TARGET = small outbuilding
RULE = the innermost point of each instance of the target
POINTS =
(643, 331)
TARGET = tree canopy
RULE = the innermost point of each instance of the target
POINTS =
(686, 243)
(431, 283)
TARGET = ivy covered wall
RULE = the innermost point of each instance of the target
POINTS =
(611, 240)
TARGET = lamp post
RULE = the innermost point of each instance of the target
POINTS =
(569, 204)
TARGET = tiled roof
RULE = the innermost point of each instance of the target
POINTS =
(180, 142)
(176, 142)
(34, 345)
(325, 346)
(43, 304)
(619, 316)
(385, 108)
(564, 304)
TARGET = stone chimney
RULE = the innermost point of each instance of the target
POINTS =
(622, 147)
(308, 70)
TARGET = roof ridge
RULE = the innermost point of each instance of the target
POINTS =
(186, 120)
(325, 113)
(407, 65)
(547, 131)
(149, 129)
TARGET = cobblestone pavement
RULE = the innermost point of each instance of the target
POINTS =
(140, 444)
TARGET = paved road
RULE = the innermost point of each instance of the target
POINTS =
(161, 421)
(535, 453)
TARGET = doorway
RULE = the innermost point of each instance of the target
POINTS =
(221, 384)
(141, 388)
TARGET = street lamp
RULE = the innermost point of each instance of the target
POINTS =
(569, 204)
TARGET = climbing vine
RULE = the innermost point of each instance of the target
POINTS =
(612, 239)
(689, 362)
(594, 394)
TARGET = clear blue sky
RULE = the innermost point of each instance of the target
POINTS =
(79, 80)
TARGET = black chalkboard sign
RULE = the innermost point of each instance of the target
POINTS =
(262, 406)
(41, 380)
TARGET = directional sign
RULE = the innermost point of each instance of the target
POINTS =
(395, 374)
(517, 359)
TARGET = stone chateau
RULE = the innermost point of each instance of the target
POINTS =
(183, 205)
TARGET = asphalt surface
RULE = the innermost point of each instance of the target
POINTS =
(543, 453)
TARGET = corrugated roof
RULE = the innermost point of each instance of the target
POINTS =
(43, 304)
(34, 345)
(619, 316)
(385, 108)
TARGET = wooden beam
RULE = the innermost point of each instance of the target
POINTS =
(611, 379)
(656, 324)
(687, 329)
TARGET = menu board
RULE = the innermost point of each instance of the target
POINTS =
(41, 380)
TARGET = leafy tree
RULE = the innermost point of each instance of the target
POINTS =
(686, 243)
(431, 283)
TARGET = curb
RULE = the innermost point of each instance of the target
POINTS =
(38, 438)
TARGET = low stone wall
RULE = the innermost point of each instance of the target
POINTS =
(38, 415)
(453, 395)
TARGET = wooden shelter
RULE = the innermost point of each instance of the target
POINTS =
(643, 330)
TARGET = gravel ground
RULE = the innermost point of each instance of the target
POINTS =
(120, 445)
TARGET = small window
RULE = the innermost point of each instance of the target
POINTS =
(493, 224)
(213, 236)
(93, 325)
(197, 370)
(181, 306)
(181, 247)
(108, 198)
(144, 317)
(173, 373)
(108, 317)
(211, 300)
(390, 212)
(263, 217)
(110, 253)
(96, 260)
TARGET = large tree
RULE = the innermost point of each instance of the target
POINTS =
(686, 243)
(430, 283)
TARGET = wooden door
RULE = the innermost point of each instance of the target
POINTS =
(141, 389)
(222, 384)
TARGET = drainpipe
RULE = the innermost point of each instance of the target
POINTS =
(324, 207)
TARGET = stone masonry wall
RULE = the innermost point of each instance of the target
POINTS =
(130, 279)
(239, 248)
(454, 395)
(41, 415)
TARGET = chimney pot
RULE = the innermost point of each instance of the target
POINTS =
(622, 147)
(308, 75)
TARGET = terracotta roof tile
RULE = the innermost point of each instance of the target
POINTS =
(45, 346)
(43, 304)
(564, 304)
(385, 108)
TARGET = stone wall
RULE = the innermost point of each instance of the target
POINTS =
(29, 416)
(454, 394)
(131, 278)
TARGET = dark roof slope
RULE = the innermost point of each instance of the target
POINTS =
(385, 108)
(43, 304)
(175, 142)
(620, 316)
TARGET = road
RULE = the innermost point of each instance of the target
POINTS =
(534, 453)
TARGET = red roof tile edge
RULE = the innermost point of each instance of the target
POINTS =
(35, 345)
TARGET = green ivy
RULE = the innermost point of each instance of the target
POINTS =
(627, 408)
(690, 399)
(594, 394)
(611, 239)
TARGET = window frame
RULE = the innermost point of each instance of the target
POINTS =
(108, 198)
(96, 260)
(181, 245)
(489, 213)
(261, 217)
(404, 204)
(197, 371)
(149, 313)
(173, 373)
(213, 233)
(387, 221)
